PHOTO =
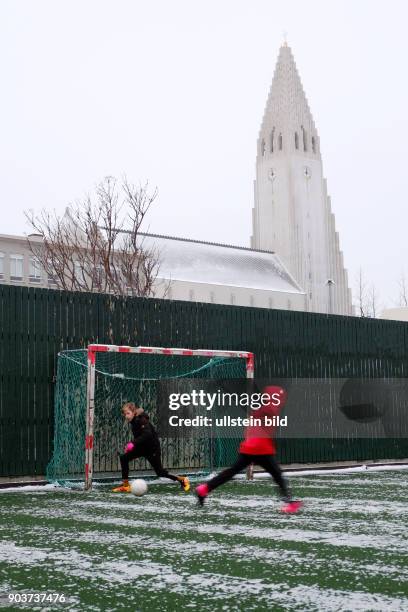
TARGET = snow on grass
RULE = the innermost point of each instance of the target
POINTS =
(345, 551)
(323, 536)
(150, 574)
(195, 548)
(31, 489)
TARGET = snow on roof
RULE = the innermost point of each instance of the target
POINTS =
(220, 264)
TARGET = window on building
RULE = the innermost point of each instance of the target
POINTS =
(52, 277)
(1, 265)
(289, 305)
(272, 139)
(212, 297)
(251, 300)
(34, 270)
(97, 275)
(304, 139)
(232, 298)
(296, 140)
(280, 142)
(78, 270)
(191, 295)
(313, 144)
(263, 148)
(270, 303)
(16, 267)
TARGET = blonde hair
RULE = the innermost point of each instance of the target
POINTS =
(129, 405)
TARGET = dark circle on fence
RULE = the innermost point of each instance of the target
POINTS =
(365, 401)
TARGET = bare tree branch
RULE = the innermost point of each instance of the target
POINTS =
(97, 245)
(361, 291)
(367, 304)
(373, 302)
(403, 298)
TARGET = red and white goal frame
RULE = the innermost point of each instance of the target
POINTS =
(93, 349)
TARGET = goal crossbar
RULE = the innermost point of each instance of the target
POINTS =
(112, 348)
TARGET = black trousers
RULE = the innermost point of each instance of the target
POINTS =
(154, 458)
(267, 462)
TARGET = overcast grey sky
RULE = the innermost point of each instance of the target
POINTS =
(173, 92)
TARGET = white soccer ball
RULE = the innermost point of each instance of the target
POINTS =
(138, 487)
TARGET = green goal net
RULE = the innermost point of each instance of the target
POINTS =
(91, 387)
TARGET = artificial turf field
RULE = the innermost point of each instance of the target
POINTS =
(347, 550)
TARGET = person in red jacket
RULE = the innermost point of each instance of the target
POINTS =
(258, 447)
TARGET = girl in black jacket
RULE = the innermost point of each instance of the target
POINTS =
(145, 444)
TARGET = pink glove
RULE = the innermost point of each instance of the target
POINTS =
(129, 447)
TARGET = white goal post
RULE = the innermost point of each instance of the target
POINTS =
(94, 349)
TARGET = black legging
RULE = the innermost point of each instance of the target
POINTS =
(267, 462)
(153, 458)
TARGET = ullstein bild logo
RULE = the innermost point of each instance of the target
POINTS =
(228, 421)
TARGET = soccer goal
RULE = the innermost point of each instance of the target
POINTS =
(92, 385)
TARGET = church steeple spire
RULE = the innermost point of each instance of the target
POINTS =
(287, 123)
(292, 214)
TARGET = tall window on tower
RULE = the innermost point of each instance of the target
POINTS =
(304, 138)
(313, 144)
(272, 139)
(263, 148)
(296, 140)
(280, 142)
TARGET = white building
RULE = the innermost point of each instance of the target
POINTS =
(395, 314)
(189, 270)
(292, 214)
(222, 274)
(18, 266)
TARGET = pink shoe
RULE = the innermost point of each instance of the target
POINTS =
(291, 507)
(201, 492)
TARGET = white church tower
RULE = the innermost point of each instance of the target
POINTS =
(292, 214)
